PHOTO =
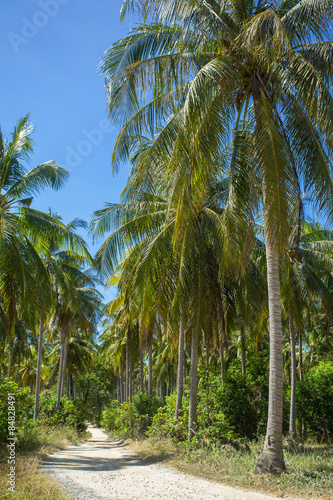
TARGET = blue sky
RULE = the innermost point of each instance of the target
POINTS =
(50, 51)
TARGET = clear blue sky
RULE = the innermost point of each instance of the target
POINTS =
(50, 51)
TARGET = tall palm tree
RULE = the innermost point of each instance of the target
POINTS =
(20, 224)
(209, 68)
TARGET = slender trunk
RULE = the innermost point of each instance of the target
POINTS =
(222, 336)
(207, 381)
(292, 419)
(118, 384)
(242, 335)
(127, 375)
(70, 384)
(192, 417)
(300, 365)
(184, 379)
(61, 360)
(39, 368)
(271, 458)
(130, 381)
(121, 386)
(141, 365)
(67, 387)
(62, 365)
(150, 367)
(75, 379)
(180, 369)
(17, 372)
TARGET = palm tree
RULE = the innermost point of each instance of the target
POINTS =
(55, 250)
(307, 266)
(20, 224)
(211, 69)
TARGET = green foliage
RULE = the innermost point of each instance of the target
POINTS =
(164, 423)
(131, 419)
(238, 409)
(71, 413)
(314, 401)
(95, 390)
(23, 405)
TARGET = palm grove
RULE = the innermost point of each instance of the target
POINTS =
(226, 117)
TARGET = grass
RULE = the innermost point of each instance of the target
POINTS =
(31, 482)
(309, 469)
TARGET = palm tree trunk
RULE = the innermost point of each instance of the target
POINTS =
(74, 390)
(242, 335)
(184, 376)
(292, 419)
(180, 369)
(61, 360)
(62, 365)
(141, 365)
(300, 356)
(127, 375)
(271, 458)
(192, 416)
(207, 381)
(222, 335)
(150, 367)
(121, 386)
(130, 381)
(39, 368)
(67, 388)
(17, 372)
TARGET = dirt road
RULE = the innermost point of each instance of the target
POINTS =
(104, 469)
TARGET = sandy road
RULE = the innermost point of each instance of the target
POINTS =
(104, 469)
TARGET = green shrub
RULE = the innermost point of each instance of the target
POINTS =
(164, 423)
(23, 405)
(71, 413)
(131, 419)
(314, 403)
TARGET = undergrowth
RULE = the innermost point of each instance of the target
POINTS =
(309, 470)
(35, 443)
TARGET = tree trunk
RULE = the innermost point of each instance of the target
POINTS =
(271, 458)
(141, 365)
(74, 390)
(127, 375)
(130, 389)
(70, 384)
(121, 386)
(300, 365)
(17, 372)
(62, 365)
(150, 367)
(207, 380)
(292, 418)
(60, 374)
(192, 417)
(242, 336)
(39, 368)
(180, 369)
(222, 336)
